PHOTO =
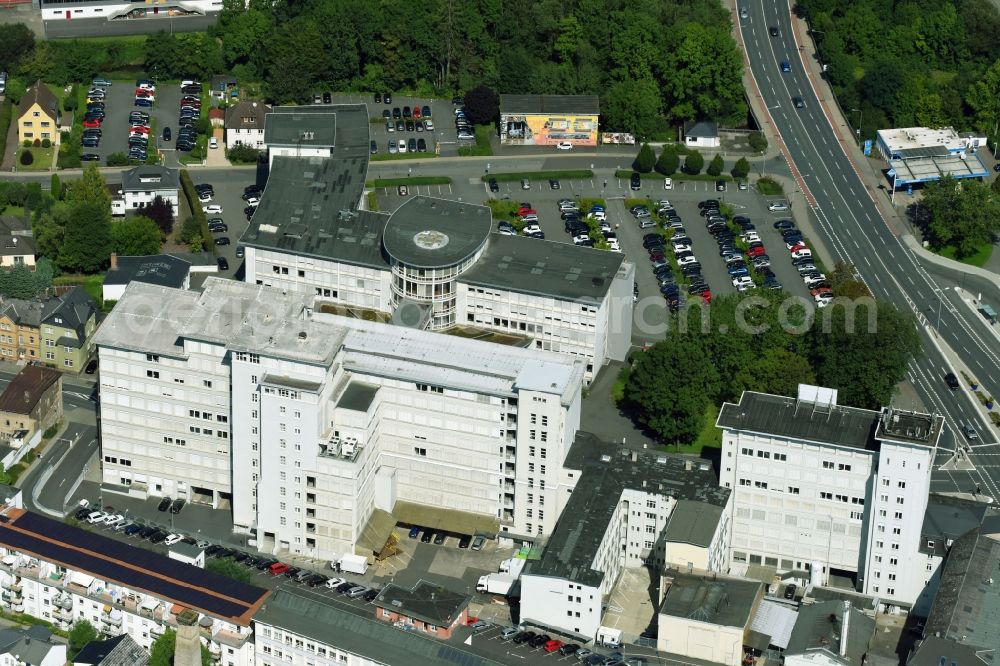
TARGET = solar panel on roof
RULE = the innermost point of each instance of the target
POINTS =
(157, 574)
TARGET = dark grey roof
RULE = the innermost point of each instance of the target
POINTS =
(729, 602)
(967, 605)
(936, 651)
(545, 268)
(606, 472)
(427, 232)
(159, 269)
(16, 245)
(425, 601)
(28, 646)
(946, 519)
(357, 631)
(309, 208)
(341, 127)
(701, 129)
(72, 310)
(787, 417)
(41, 94)
(358, 396)
(149, 178)
(122, 650)
(820, 627)
(248, 114)
(923, 151)
(568, 104)
(693, 522)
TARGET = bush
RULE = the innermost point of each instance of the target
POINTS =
(46, 143)
(117, 159)
(645, 160)
(758, 142)
(38, 143)
(27, 158)
(742, 168)
(668, 162)
(6, 112)
(26, 143)
(716, 166)
(243, 153)
(72, 100)
(694, 162)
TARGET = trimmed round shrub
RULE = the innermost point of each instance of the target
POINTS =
(38, 143)
(46, 143)
(27, 157)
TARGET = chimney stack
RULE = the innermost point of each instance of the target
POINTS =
(114, 261)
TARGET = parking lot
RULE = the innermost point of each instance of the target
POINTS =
(442, 115)
(228, 194)
(120, 101)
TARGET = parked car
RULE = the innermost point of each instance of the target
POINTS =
(177, 505)
(172, 539)
(164, 504)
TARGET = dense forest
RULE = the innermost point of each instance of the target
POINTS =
(654, 63)
(911, 62)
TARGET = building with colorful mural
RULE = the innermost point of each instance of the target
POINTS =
(545, 120)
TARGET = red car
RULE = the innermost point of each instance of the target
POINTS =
(822, 291)
(521, 212)
(142, 92)
(553, 645)
(93, 122)
(416, 112)
(756, 251)
(707, 297)
(797, 247)
(139, 128)
(278, 568)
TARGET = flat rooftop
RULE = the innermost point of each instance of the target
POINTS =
(312, 126)
(728, 602)
(908, 138)
(310, 207)
(545, 268)
(427, 232)
(269, 321)
(692, 522)
(781, 416)
(135, 568)
(906, 427)
(550, 104)
(929, 169)
(607, 471)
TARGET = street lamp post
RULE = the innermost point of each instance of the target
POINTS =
(861, 119)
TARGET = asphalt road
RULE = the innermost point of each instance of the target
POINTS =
(854, 230)
(101, 27)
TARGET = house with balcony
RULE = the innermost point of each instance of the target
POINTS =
(61, 574)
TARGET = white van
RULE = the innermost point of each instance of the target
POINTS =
(213, 142)
(668, 184)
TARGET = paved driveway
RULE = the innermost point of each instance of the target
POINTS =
(442, 115)
(120, 102)
(228, 193)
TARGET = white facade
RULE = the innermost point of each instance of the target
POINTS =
(596, 331)
(330, 426)
(55, 11)
(62, 596)
(854, 503)
(248, 137)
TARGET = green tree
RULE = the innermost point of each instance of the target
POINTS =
(87, 239)
(779, 372)
(694, 162)
(964, 216)
(49, 229)
(16, 89)
(703, 74)
(716, 166)
(633, 105)
(229, 569)
(983, 97)
(645, 160)
(55, 187)
(742, 168)
(90, 189)
(672, 408)
(668, 162)
(80, 634)
(136, 237)
(864, 362)
(161, 653)
(757, 141)
(161, 212)
(16, 41)
(482, 105)
(245, 35)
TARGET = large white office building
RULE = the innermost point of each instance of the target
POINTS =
(824, 488)
(433, 264)
(323, 431)
(622, 509)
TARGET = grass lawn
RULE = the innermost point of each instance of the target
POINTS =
(482, 147)
(43, 158)
(92, 283)
(16, 211)
(373, 202)
(979, 259)
(769, 187)
(512, 176)
(389, 157)
(710, 437)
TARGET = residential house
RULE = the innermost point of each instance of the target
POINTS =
(427, 608)
(217, 117)
(38, 115)
(67, 329)
(31, 646)
(17, 243)
(701, 134)
(141, 186)
(19, 322)
(122, 650)
(31, 403)
(245, 123)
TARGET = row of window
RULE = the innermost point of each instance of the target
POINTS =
(118, 461)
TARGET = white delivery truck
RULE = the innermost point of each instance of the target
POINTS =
(513, 567)
(495, 583)
(609, 637)
(357, 564)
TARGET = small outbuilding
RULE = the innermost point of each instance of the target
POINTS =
(547, 120)
(701, 134)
